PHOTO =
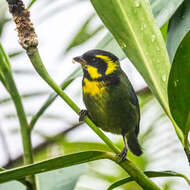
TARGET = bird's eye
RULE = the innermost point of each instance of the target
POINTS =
(94, 59)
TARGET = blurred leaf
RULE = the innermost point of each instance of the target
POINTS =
(5, 67)
(179, 25)
(164, 30)
(14, 54)
(84, 33)
(76, 73)
(23, 72)
(27, 95)
(57, 9)
(168, 185)
(58, 180)
(52, 164)
(45, 116)
(3, 18)
(179, 86)
(12, 185)
(163, 10)
(149, 174)
(108, 43)
(71, 147)
(31, 3)
(62, 179)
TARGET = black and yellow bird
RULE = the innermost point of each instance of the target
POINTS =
(110, 98)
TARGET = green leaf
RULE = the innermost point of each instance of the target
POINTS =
(62, 178)
(149, 174)
(178, 27)
(162, 11)
(84, 33)
(52, 164)
(59, 179)
(179, 86)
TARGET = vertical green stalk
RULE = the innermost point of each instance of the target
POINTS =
(187, 147)
(25, 132)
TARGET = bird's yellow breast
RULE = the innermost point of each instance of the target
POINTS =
(93, 88)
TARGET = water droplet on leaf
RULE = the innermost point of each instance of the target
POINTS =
(164, 78)
(153, 38)
(137, 4)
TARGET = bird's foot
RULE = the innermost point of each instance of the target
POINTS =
(82, 114)
(122, 155)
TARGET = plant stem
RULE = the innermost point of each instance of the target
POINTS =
(25, 132)
(78, 158)
(135, 172)
(187, 147)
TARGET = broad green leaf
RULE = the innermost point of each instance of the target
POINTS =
(52, 164)
(134, 28)
(84, 33)
(162, 11)
(58, 180)
(179, 86)
(149, 174)
(179, 25)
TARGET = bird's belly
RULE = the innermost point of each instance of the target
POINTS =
(110, 114)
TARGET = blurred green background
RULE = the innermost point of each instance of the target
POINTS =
(66, 29)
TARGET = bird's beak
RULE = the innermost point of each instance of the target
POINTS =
(80, 60)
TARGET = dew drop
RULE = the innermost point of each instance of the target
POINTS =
(175, 82)
(164, 78)
(137, 4)
(122, 44)
(153, 38)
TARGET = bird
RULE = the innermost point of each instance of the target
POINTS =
(109, 98)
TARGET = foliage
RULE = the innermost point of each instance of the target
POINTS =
(132, 32)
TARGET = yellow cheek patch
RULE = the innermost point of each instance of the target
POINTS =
(111, 66)
(93, 72)
(93, 87)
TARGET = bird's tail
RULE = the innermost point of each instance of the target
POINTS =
(133, 144)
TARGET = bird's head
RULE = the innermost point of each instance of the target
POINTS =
(98, 64)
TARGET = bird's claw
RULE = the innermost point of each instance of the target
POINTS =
(82, 114)
(122, 155)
